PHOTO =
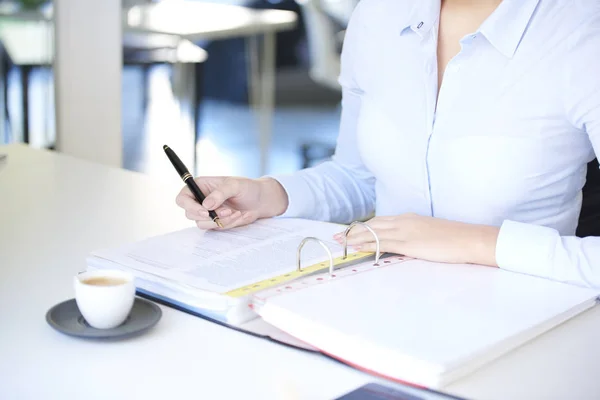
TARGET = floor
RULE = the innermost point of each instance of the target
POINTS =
(228, 142)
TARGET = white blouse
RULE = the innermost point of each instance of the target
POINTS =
(507, 143)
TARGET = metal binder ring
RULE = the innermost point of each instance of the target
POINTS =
(352, 225)
(304, 241)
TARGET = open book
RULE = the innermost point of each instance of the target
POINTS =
(202, 271)
(413, 321)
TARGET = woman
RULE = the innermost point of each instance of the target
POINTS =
(466, 128)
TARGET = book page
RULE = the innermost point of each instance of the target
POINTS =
(220, 261)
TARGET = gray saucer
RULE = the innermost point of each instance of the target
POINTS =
(66, 318)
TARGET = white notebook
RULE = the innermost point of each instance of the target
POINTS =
(420, 322)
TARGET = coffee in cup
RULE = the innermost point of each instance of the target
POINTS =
(104, 281)
(104, 297)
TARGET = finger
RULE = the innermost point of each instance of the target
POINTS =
(385, 246)
(227, 221)
(197, 216)
(233, 221)
(186, 200)
(206, 224)
(223, 212)
(382, 234)
(208, 183)
(202, 214)
(362, 237)
(245, 218)
(378, 223)
(229, 188)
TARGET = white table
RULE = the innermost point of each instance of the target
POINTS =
(55, 209)
(30, 43)
(194, 20)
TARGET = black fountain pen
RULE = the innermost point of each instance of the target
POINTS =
(189, 181)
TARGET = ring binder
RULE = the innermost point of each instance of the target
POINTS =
(299, 251)
(352, 225)
(294, 275)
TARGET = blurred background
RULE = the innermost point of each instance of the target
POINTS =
(236, 87)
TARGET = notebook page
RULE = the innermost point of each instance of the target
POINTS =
(439, 315)
(220, 261)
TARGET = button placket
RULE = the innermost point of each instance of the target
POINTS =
(429, 54)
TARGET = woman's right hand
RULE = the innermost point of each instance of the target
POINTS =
(237, 201)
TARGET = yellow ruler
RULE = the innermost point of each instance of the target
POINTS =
(278, 280)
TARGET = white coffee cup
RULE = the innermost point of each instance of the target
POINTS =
(105, 297)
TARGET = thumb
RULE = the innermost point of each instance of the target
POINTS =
(229, 188)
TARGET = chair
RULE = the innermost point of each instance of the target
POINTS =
(589, 217)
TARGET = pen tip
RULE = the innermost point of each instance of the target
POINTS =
(165, 147)
(218, 222)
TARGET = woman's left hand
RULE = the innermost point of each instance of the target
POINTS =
(427, 238)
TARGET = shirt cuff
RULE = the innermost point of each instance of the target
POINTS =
(299, 205)
(526, 248)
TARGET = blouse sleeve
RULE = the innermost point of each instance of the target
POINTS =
(539, 250)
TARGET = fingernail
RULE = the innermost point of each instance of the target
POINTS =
(208, 204)
(225, 213)
(203, 213)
